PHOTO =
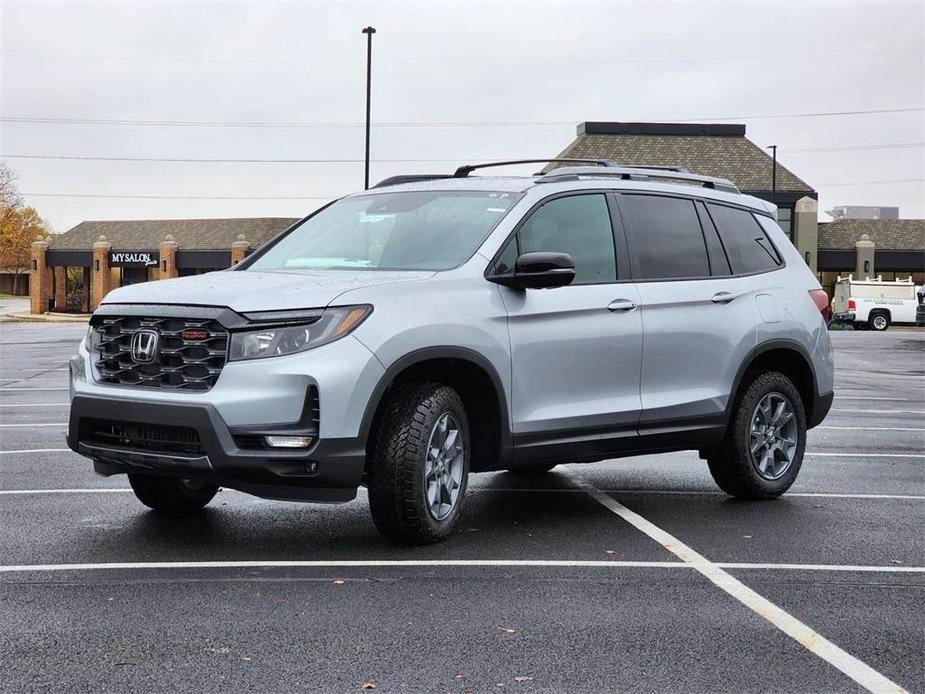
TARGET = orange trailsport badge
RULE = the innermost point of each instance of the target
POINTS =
(194, 334)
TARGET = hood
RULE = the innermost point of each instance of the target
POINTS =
(246, 291)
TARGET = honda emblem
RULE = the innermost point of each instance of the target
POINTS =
(144, 346)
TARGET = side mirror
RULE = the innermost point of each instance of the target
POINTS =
(539, 270)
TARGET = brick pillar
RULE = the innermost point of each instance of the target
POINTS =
(864, 267)
(39, 277)
(102, 277)
(60, 289)
(168, 256)
(806, 231)
(239, 249)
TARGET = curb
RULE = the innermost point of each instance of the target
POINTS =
(49, 317)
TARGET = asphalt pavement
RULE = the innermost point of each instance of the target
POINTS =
(627, 575)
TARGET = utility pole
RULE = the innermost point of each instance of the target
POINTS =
(773, 149)
(369, 31)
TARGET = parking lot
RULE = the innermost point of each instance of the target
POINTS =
(634, 574)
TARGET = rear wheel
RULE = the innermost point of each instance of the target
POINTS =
(170, 494)
(762, 452)
(419, 464)
(879, 321)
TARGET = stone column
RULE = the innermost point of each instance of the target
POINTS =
(864, 267)
(239, 249)
(168, 256)
(102, 276)
(60, 289)
(806, 231)
(39, 277)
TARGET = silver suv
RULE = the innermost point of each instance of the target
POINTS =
(403, 337)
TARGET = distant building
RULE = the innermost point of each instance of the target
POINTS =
(863, 212)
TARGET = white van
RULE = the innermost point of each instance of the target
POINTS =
(875, 303)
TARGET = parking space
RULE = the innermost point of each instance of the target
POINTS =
(585, 579)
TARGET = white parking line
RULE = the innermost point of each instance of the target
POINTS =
(864, 397)
(5, 389)
(35, 404)
(37, 450)
(24, 492)
(815, 454)
(811, 640)
(29, 425)
(835, 411)
(872, 428)
(702, 492)
(396, 563)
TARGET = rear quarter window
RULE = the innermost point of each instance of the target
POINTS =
(747, 245)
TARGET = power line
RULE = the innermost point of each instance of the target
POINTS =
(869, 183)
(183, 197)
(855, 148)
(185, 160)
(225, 161)
(405, 124)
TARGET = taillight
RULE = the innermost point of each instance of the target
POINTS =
(821, 299)
(852, 305)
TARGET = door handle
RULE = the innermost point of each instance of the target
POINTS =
(722, 297)
(621, 305)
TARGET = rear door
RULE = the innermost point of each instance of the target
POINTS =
(698, 325)
(576, 350)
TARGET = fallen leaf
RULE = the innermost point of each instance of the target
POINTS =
(339, 582)
(368, 685)
(508, 630)
(280, 602)
(895, 561)
(244, 657)
(523, 678)
(610, 551)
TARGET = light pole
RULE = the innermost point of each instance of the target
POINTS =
(773, 149)
(369, 31)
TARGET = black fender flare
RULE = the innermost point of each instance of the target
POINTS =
(440, 352)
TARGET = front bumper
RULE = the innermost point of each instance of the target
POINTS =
(329, 471)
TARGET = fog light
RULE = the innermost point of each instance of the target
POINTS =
(288, 441)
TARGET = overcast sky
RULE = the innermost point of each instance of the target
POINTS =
(452, 82)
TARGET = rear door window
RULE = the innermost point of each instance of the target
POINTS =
(749, 248)
(666, 240)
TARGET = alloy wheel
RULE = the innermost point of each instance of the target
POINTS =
(774, 436)
(443, 468)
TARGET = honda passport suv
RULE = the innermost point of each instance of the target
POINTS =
(405, 336)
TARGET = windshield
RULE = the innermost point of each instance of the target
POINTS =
(431, 230)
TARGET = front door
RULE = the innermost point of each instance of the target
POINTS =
(576, 350)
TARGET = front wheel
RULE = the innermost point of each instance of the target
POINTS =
(419, 464)
(762, 452)
(171, 495)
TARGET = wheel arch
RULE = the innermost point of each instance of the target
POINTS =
(790, 358)
(476, 380)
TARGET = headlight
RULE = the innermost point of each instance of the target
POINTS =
(278, 340)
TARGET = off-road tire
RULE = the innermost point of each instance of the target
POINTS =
(396, 460)
(170, 495)
(730, 463)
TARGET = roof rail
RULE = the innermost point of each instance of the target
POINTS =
(408, 178)
(637, 173)
(464, 171)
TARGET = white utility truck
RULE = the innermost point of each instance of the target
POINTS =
(875, 304)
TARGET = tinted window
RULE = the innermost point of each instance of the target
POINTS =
(748, 246)
(719, 262)
(666, 238)
(580, 226)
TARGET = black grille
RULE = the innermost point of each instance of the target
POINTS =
(190, 352)
(145, 437)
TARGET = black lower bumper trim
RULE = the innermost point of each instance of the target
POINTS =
(329, 471)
